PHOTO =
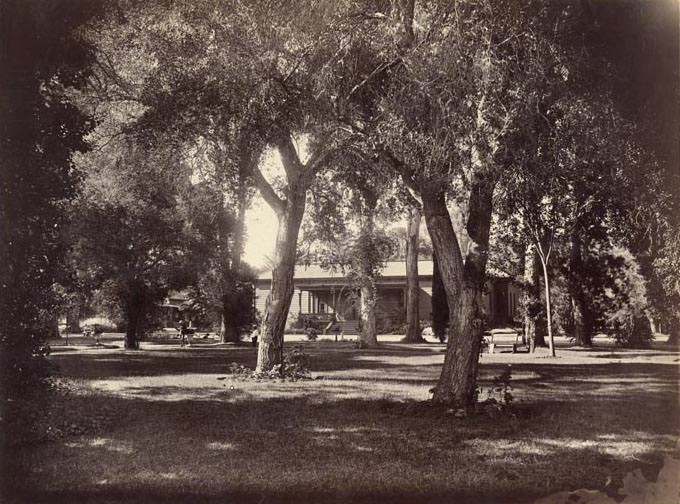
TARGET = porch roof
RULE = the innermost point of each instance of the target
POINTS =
(317, 275)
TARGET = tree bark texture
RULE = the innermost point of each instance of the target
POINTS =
(368, 336)
(440, 306)
(134, 312)
(413, 334)
(463, 282)
(534, 329)
(270, 345)
(132, 330)
(548, 309)
(229, 333)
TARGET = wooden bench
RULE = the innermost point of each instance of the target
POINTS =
(503, 338)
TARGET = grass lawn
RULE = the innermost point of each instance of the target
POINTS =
(175, 427)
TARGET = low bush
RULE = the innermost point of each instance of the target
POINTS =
(295, 367)
(497, 398)
(633, 332)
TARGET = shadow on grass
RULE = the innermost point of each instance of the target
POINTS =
(337, 440)
(151, 362)
(303, 450)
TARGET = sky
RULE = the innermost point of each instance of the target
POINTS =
(261, 227)
(261, 222)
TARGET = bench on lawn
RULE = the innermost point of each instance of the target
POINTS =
(504, 338)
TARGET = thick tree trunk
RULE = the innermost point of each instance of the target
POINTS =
(463, 282)
(368, 336)
(132, 331)
(229, 333)
(270, 347)
(134, 312)
(413, 334)
(583, 326)
(533, 329)
(440, 306)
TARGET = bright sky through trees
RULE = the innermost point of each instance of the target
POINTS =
(261, 233)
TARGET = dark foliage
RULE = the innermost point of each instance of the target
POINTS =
(39, 130)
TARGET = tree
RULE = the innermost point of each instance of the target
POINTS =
(440, 306)
(40, 130)
(413, 331)
(345, 226)
(668, 266)
(446, 109)
(252, 68)
(132, 234)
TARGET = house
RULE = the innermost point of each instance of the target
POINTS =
(170, 312)
(322, 295)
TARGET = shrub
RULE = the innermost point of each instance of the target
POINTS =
(295, 367)
(633, 332)
(498, 397)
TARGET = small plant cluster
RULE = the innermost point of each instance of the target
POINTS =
(295, 367)
(497, 397)
(312, 333)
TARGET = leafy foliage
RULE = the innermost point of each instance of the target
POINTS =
(295, 367)
(133, 240)
(40, 130)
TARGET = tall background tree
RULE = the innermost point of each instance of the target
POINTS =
(40, 54)
(132, 230)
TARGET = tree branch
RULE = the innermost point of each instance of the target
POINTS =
(290, 158)
(266, 190)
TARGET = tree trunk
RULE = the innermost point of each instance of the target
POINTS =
(528, 300)
(533, 330)
(583, 326)
(674, 330)
(270, 347)
(73, 319)
(52, 328)
(229, 333)
(413, 334)
(548, 314)
(368, 336)
(440, 306)
(229, 330)
(134, 313)
(132, 331)
(463, 282)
